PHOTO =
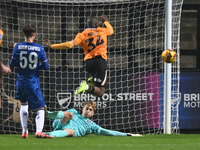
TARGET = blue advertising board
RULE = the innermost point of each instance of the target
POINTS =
(189, 108)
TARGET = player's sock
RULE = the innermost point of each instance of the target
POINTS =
(91, 83)
(55, 115)
(87, 87)
(91, 89)
(24, 117)
(39, 120)
(58, 133)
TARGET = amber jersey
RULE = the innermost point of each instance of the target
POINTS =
(93, 41)
(1, 36)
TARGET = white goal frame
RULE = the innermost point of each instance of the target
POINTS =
(139, 96)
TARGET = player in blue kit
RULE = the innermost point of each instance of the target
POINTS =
(30, 57)
(72, 124)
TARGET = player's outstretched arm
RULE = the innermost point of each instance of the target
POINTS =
(104, 19)
(47, 43)
(116, 133)
(66, 45)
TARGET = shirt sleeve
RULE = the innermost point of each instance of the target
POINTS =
(111, 133)
(78, 39)
(43, 55)
(44, 65)
(15, 58)
(66, 45)
(96, 128)
(109, 29)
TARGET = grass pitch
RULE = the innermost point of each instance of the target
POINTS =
(93, 142)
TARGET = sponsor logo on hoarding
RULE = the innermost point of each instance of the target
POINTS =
(67, 99)
(192, 100)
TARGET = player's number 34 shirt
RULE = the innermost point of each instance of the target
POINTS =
(93, 41)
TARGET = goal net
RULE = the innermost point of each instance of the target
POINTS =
(134, 97)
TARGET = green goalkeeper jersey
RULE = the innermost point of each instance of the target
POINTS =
(81, 126)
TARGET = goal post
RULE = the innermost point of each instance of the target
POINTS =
(134, 97)
(167, 68)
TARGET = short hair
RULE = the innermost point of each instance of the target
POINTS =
(90, 103)
(91, 22)
(28, 30)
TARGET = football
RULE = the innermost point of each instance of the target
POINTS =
(169, 55)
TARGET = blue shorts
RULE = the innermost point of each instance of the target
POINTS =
(57, 125)
(28, 90)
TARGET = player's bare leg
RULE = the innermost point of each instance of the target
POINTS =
(99, 91)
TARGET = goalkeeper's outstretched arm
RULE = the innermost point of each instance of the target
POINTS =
(116, 133)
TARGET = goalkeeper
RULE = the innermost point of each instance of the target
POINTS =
(94, 43)
(71, 124)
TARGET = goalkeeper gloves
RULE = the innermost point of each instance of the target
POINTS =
(136, 135)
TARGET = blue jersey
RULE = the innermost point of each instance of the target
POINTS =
(81, 126)
(28, 58)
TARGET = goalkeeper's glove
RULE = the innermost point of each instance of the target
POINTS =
(136, 135)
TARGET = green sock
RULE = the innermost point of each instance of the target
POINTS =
(58, 133)
(55, 115)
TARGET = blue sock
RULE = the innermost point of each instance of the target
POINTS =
(55, 115)
(58, 133)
